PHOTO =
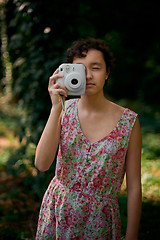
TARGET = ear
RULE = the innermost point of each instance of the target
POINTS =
(107, 74)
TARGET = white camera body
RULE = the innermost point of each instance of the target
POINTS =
(74, 78)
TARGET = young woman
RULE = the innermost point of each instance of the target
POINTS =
(98, 142)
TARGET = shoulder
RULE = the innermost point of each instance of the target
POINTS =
(130, 113)
(132, 122)
(122, 111)
(129, 118)
(129, 122)
(70, 103)
(70, 106)
(118, 111)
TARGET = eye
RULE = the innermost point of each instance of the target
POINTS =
(95, 68)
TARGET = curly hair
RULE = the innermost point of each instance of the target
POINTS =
(80, 48)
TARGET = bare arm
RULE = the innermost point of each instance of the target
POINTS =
(48, 143)
(133, 178)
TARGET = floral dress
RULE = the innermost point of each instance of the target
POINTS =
(81, 200)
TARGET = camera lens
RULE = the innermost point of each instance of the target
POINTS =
(74, 81)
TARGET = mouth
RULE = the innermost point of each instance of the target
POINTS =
(90, 84)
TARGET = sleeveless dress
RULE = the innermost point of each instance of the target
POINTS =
(81, 200)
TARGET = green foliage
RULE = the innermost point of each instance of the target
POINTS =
(1, 63)
(39, 33)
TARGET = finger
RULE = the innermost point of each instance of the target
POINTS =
(58, 91)
(60, 86)
(56, 71)
(64, 93)
(54, 77)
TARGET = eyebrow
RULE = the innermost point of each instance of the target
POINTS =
(96, 63)
(93, 63)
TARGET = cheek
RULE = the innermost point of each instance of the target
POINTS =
(103, 77)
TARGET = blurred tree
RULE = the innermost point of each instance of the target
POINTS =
(1, 61)
(1, 70)
(5, 65)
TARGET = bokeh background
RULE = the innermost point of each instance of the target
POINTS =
(34, 36)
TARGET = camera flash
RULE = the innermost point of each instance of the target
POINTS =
(67, 68)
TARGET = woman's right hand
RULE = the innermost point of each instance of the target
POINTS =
(56, 90)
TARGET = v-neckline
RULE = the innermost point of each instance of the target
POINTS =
(105, 137)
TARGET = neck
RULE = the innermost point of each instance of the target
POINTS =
(93, 102)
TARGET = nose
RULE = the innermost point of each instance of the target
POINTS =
(88, 74)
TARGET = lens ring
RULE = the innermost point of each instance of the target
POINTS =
(74, 81)
(73, 84)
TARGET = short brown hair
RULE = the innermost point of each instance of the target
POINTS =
(79, 48)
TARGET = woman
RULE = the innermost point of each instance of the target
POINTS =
(98, 142)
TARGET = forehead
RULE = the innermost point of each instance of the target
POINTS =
(92, 56)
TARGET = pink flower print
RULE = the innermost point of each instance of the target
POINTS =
(130, 115)
(59, 154)
(87, 165)
(119, 139)
(97, 182)
(74, 164)
(73, 174)
(82, 200)
(68, 206)
(112, 181)
(122, 131)
(76, 187)
(85, 208)
(59, 172)
(115, 170)
(54, 219)
(71, 211)
(87, 197)
(72, 228)
(74, 121)
(119, 155)
(131, 121)
(85, 218)
(80, 163)
(114, 134)
(84, 148)
(106, 210)
(94, 158)
(96, 226)
(105, 180)
(74, 152)
(101, 152)
(96, 238)
(70, 137)
(65, 171)
(68, 220)
(102, 172)
(66, 121)
(75, 219)
(75, 238)
(68, 181)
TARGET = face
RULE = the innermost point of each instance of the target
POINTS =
(96, 74)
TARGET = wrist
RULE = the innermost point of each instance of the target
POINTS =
(131, 237)
(56, 110)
